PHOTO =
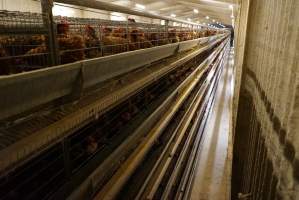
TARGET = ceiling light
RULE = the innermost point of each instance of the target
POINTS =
(231, 6)
(207, 17)
(153, 12)
(213, 20)
(115, 16)
(63, 11)
(137, 5)
(195, 11)
(173, 15)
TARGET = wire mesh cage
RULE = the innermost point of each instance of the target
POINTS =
(106, 37)
(49, 172)
(23, 42)
(90, 38)
(31, 41)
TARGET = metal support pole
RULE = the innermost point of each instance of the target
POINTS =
(102, 49)
(127, 36)
(167, 29)
(48, 20)
(192, 32)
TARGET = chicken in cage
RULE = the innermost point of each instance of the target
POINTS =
(24, 39)
(23, 42)
(71, 46)
(173, 36)
(158, 37)
(114, 40)
(138, 40)
(23, 53)
(92, 42)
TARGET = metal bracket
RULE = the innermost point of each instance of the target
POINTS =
(78, 86)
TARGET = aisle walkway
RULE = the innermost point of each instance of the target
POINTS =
(212, 178)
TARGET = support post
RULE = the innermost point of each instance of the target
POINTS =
(49, 23)
(167, 29)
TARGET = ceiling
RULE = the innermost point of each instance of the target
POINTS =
(217, 10)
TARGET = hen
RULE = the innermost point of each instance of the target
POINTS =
(92, 43)
(71, 46)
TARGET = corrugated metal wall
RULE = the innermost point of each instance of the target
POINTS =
(266, 150)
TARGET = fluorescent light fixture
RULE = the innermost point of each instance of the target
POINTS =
(153, 12)
(189, 19)
(207, 17)
(173, 15)
(195, 11)
(63, 11)
(140, 6)
(115, 16)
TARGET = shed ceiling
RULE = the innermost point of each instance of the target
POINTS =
(217, 10)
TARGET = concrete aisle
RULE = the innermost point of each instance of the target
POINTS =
(212, 178)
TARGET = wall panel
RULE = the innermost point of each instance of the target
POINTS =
(270, 85)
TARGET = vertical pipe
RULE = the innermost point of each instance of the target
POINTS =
(127, 35)
(167, 30)
(48, 21)
(101, 29)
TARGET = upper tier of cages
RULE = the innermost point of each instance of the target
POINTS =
(31, 41)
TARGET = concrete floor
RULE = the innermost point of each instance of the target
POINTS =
(213, 174)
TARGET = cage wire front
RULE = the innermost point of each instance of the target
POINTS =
(24, 38)
(23, 42)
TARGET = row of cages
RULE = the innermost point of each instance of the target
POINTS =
(26, 44)
(74, 155)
